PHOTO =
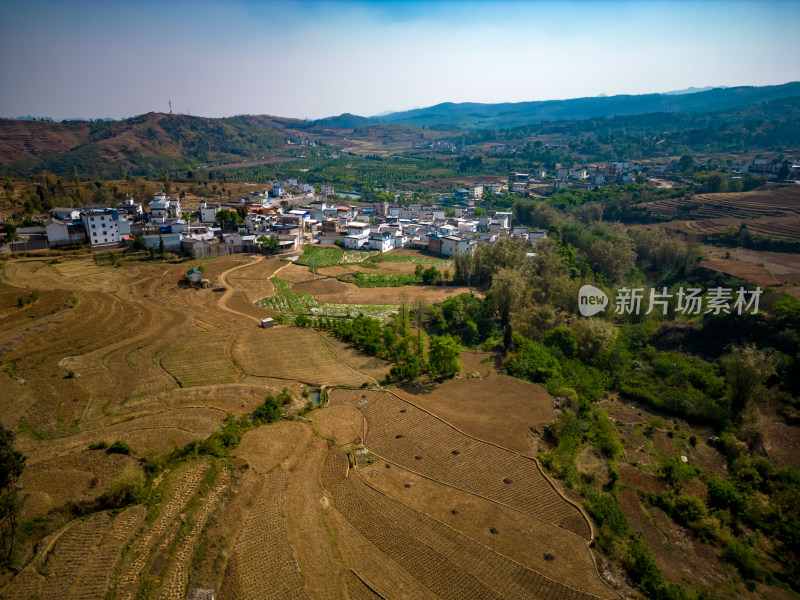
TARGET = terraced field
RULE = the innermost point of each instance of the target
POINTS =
(130, 354)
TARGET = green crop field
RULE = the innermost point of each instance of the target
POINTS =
(291, 304)
(370, 280)
(406, 258)
(320, 256)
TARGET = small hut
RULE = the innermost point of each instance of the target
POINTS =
(194, 275)
(267, 323)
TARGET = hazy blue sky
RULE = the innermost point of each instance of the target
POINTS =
(313, 59)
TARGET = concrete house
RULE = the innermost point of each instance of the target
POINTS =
(102, 226)
(65, 213)
(383, 241)
(64, 233)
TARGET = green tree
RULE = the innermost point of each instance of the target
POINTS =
(746, 370)
(432, 276)
(268, 242)
(443, 355)
(227, 219)
(12, 463)
(686, 162)
(12, 235)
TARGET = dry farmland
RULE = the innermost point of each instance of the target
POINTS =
(455, 507)
(772, 210)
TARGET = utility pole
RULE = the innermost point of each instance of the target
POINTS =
(170, 107)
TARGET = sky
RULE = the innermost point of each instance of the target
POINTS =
(311, 59)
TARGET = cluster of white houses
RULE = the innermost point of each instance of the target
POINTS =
(380, 226)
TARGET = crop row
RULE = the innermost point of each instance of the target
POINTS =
(320, 257)
(419, 259)
(420, 442)
(370, 280)
(70, 554)
(262, 564)
(508, 578)
(185, 486)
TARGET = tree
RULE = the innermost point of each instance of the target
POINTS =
(12, 462)
(508, 289)
(227, 219)
(431, 276)
(161, 249)
(12, 235)
(268, 243)
(166, 184)
(686, 162)
(746, 370)
(443, 356)
(420, 315)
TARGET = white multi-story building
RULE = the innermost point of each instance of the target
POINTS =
(163, 208)
(208, 213)
(102, 226)
(326, 190)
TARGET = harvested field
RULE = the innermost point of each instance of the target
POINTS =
(199, 358)
(446, 562)
(523, 539)
(768, 201)
(290, 353)
(430, 447)
(337, 292)
(363, 363)
(481, 408)
(253, 280)
(482, 364)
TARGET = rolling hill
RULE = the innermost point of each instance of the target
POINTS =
(470, 115)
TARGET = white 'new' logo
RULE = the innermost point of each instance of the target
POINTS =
(591, 300)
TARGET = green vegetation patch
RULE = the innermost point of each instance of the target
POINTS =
(370, 280)
(320, 256)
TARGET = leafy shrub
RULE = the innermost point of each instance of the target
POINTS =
(119, 447)
(98, 445)
(124, 490)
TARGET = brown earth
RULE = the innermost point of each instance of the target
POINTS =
(480, 407)
(337, 292)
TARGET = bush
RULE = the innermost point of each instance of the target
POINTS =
(124, 490)
(744, 558)
(120, 447)
(98, 445)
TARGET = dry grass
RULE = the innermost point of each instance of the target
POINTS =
(483, 407)
(290, 353)
(199, 358)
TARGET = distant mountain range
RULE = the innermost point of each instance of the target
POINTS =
(470, 115)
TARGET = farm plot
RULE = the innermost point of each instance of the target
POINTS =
(412, 256)
(287, 301)
(64, 563)
(521, 538)
(418, 441)
(262, 564)
(179, 487)
(357, 256)
(253, 280)
(446, 562)
(481, 407)
(336, 292)
(200, 358)
(290, 353)
(320, 256)
(370, 280)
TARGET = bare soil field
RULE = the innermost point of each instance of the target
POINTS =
(772, 200)
(290, 353)
(480, 407)
(338, 292)
(363, 363)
